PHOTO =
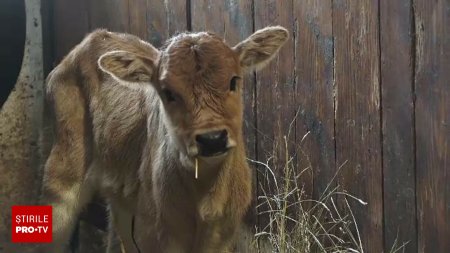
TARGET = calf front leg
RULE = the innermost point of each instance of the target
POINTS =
(121, 216)
(214, 238)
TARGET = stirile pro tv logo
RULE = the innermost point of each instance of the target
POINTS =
(31, 224)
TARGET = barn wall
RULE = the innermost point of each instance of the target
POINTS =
(364, 80)
(367, 83)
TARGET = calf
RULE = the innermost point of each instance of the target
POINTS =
(136, 124)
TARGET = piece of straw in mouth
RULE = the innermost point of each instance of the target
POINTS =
(196, 168)
(122, 247)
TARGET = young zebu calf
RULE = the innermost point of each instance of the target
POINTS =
(130, 123)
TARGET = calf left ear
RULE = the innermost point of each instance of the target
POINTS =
(127, 66)
(258, 49)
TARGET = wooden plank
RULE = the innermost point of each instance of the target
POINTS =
(110, 14)
(432, 85)
(234, 22)
(355, 28)
(398, 124)
(70, 25)
(165, 18)
(138, 18)
(275, 103)
(314, 90)
(229, 19)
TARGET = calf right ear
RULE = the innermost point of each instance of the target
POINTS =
(258, 49)
(127, 66)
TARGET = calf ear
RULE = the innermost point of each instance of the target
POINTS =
(127, 66)
(258, 49)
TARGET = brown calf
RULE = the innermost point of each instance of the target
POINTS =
(131, 122)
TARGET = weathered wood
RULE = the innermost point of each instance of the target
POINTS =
(355, 28)
(110, 14)
(314, 90)
(275, 103)
(165, 18)
(398, 124)
(138, 18)
(330, 71)
(432, 86)
(70, 24)
(229, 19)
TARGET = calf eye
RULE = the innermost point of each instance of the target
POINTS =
(233, 83)
(169, 96)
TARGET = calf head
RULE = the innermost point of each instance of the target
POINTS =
(199, 80)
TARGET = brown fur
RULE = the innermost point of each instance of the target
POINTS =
(118, 133)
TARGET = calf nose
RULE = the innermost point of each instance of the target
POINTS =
(212, 143)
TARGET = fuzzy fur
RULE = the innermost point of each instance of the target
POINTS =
(115, 133)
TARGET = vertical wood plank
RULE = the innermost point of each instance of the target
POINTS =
(110, 14)
(138, 18)
(229, 19)
(314, 89)
(68, 16)
(165, 18)
(398, 124)
(432, 85)
(355, 27)
(275, 103)
(233, 21)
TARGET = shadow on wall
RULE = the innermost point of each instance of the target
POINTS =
(12, 41)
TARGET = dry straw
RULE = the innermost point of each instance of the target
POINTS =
(296, 222)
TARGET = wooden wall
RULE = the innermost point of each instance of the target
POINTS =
(369, 80)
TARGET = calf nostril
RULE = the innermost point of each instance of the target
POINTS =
(212, 143)
(223, 134)
(210, 137)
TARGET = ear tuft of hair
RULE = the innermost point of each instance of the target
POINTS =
(259, 48)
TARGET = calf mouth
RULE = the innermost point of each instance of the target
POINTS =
(213, 152)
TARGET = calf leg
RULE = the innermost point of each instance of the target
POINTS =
(121, 212)
(113, 244)
(214, 238)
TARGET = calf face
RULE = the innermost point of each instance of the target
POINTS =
(199, 80)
